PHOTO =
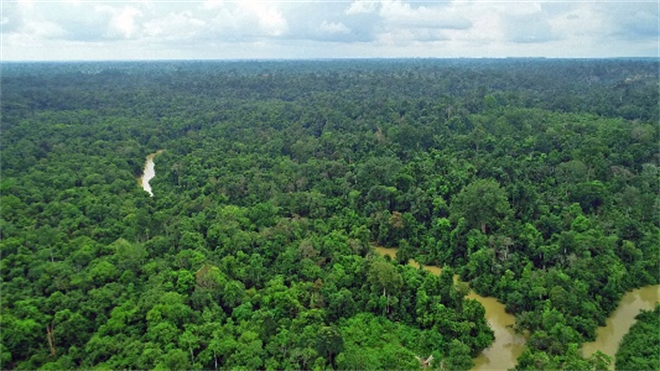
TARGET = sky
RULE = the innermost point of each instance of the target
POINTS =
(33, 30)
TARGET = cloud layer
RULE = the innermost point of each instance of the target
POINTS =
(84, 30)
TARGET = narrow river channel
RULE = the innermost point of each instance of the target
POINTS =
(503, 353)
(508, 345)
(619, 322)
(148, 173)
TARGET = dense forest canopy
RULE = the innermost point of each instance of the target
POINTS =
(640, 347)
(536, 180)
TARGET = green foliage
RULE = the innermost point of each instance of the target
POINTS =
(639, 347)
(481, 203)
(535, 180)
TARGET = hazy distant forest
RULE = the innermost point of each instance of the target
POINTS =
(534, 180)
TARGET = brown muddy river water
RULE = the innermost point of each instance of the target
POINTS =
(508, 345)
(619, 322)
(148, 173)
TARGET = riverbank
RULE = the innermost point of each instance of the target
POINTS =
(618, 324)
(149, 172)
(508, 345)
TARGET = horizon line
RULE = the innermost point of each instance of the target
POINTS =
(311, 59)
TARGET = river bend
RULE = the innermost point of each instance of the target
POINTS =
(148, 173)
(508, 345)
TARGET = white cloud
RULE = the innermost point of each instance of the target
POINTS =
(528, 28)
(213, 5)
(281, 29)
(361, 7)
(176, 26)
(401, 13)
(122, 21)
(25, 18)
(630, 22)
(270, 19)
(245, 20)
(334, 28)
(415, 36)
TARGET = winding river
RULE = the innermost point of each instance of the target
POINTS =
(503, 353)
(619, 322)
(508, 345)
(149, 172)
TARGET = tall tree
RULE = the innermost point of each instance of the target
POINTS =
(482, 203)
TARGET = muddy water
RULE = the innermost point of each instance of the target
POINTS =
(391, 252)
(508, 345)
(148, 173)
(619, 322)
